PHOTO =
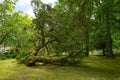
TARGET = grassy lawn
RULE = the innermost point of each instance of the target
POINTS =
(91, 68)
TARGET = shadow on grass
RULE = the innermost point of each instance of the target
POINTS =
(82, 72)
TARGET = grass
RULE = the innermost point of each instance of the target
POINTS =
(91, 68)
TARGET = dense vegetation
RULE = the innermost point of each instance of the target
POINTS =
(66, 35)
(74, 28)
(61, 34)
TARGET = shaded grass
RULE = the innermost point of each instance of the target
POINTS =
(91, 68)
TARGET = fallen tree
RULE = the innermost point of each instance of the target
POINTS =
(43, 59)
(59, 60)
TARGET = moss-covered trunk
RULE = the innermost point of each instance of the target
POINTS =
(44, 59)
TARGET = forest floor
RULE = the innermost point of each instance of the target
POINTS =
(91, 68)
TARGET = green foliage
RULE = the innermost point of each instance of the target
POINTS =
(70, 27)
(15, 28)
(74, 27)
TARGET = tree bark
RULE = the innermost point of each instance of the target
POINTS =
(103, 51)
(44, 59)
(40, 46)
(108, 40)
(86, 43)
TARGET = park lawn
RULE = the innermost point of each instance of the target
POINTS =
(91, 68)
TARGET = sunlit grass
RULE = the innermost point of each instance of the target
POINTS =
(91, 68)
(6, 68)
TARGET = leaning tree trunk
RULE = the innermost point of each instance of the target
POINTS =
(31, 59)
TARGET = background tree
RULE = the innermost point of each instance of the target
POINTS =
(14, 26)
(104, 23)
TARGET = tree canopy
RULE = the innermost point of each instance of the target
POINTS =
(73, 28)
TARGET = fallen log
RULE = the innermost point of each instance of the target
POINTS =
(31, 60)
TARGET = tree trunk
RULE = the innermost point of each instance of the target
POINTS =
(87, 42)
(40, 46)
(84, 23)
(44, 59)
(103, 51)
(109, 51)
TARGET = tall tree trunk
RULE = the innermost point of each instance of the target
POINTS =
(86, 43)
(109, 51)
(84, 23)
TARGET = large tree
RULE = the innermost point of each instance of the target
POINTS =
(76, 20)
(13, 26)
(105, 24)
(73, 27)
(43, 24)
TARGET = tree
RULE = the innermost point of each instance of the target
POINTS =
(103, 14)
(43, 24)
(76, 17)
(72, 27)
(13, 26)
(6, 7)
